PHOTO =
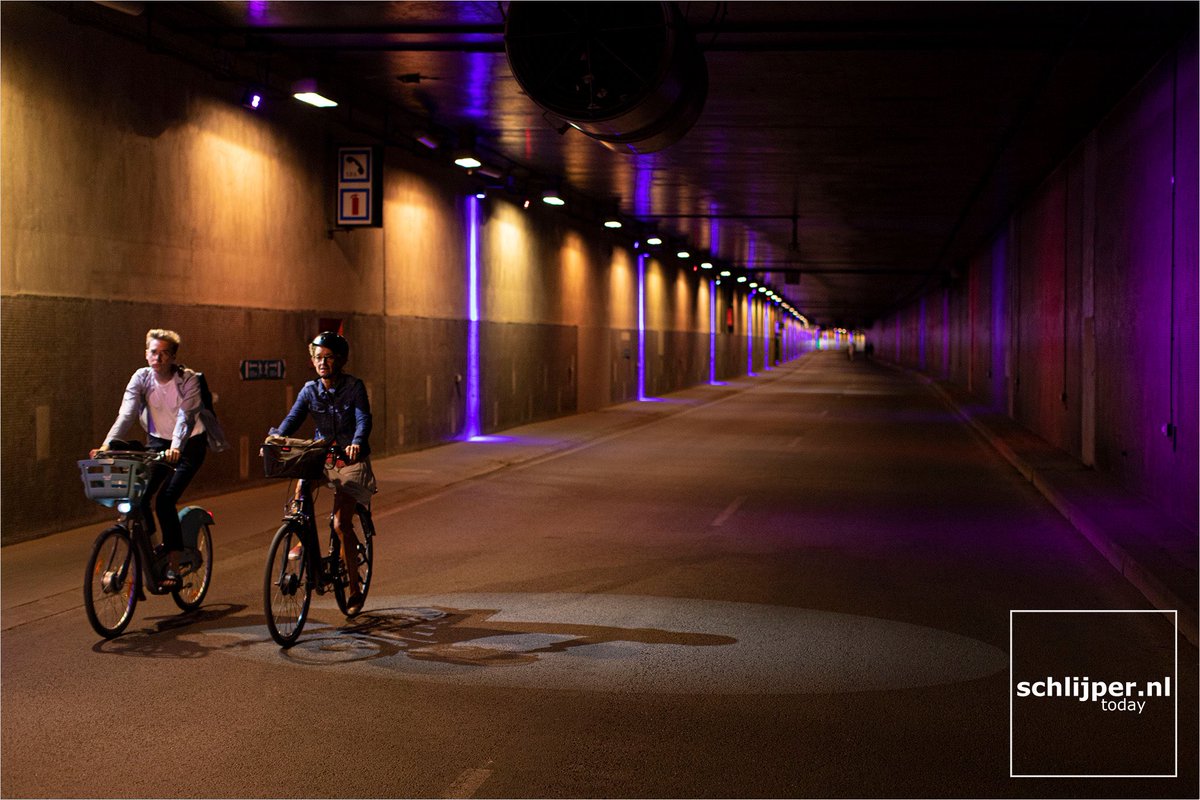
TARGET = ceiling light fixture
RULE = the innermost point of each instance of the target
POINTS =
(551, 197)
(306, 91)
(464, 152)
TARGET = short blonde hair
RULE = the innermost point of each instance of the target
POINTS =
(170, 337)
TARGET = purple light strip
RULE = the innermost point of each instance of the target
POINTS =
(750, 332)
(641, 387)
(712, 331)
(766, 337)
(472, 412)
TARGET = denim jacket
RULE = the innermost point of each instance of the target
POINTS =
(134, 407)
(341, 414)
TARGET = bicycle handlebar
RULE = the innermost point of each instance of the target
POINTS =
(145, 456)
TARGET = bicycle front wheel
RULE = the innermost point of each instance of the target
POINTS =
(366, 554)
(196, 579)
(110, 583)
(286, 590)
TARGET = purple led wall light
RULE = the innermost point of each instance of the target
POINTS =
(471, 429)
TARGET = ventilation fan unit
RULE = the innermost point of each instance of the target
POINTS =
(629, 74)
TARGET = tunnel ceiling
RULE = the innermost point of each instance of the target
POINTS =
(851, 154)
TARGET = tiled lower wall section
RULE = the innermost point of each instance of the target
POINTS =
(66, 362)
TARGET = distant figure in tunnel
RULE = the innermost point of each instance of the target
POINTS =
(342, 415)
(168, 400)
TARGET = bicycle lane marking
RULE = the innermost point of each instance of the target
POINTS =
(469, 782)
(729, 511)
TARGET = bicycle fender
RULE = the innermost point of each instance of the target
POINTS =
(190, 520)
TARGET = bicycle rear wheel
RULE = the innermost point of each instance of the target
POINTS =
(286, 590)
(366, 553)
(190, 595)
(110, 584)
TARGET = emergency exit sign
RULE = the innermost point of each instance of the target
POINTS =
(360, 187)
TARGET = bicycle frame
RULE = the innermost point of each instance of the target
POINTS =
(319, 568)
(322, 570)
(110, 592)
(288, 585)
(134, 523)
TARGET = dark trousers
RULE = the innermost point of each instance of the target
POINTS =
(169, 486)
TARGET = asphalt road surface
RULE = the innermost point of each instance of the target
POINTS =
(797, 585)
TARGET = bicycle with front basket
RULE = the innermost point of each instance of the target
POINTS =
(295, 566)
(124, 563)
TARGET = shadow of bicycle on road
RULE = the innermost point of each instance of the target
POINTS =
(162, 638)
(470, 637)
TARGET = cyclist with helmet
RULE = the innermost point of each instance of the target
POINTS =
(341, 412)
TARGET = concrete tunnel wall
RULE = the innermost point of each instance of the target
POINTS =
(138, 193)
(1079, 320)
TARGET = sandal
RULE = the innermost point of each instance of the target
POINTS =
(170, 580)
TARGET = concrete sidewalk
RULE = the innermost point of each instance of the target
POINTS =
(1156, 554)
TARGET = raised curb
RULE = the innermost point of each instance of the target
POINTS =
(1157, 555)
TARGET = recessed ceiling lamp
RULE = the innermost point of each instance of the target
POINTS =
(464, 152)
(306, 91)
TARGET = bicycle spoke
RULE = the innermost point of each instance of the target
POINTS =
(285, 593)
(196, 579)
(110, 583)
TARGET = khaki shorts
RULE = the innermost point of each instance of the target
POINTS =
(356, 480)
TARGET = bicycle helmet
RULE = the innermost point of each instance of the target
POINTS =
(334, 341)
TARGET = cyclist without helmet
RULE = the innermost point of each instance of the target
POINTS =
(165, 398)
(341, 412)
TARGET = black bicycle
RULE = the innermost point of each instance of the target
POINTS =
(295, 566)
(123, 554)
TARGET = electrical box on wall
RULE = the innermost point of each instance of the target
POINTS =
(360, 187)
